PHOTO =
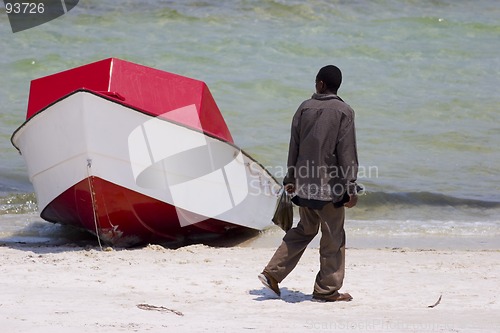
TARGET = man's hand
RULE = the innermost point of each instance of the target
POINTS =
(290, 188)
(353, 200)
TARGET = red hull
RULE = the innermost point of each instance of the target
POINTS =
(124, 217)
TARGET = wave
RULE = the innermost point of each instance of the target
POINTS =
(20, 203)
(371, 199)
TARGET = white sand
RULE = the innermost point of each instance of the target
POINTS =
(205, 289)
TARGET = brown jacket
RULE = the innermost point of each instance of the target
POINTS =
(322, 157)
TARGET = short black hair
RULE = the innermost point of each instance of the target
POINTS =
(331, 76)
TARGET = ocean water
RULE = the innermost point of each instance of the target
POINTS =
(422, 76)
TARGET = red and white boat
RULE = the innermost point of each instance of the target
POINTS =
(137, 155)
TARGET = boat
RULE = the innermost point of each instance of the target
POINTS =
(137, 155)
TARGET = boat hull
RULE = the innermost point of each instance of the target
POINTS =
(130, 177)
(129, 218)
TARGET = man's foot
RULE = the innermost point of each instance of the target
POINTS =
(268, 281)
(335, 297)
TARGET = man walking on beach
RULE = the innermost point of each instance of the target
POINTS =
(322, 170)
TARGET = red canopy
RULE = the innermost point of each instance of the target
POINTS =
(150, 90)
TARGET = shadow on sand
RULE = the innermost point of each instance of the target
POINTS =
(287, 295)
(45, 237)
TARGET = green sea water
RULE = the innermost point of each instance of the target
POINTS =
(422, 76)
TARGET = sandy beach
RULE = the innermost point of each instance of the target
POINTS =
(423, 245)
(199, 288)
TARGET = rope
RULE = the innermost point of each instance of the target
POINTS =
(92, 197)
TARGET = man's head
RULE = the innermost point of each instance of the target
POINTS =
(328, 79)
